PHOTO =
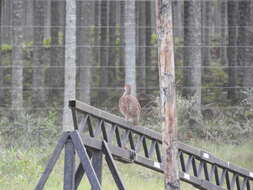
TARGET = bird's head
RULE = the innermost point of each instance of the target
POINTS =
(127, 89)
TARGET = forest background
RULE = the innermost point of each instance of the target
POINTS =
(116, 43)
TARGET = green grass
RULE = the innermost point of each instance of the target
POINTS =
(21, 169)
(240, 155)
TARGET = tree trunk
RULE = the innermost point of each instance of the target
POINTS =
(38, 93)
(97, 40)
(245, 53)
(192, 52)
(56, 72)
(232, 50)
(248, 82)
(176, 17)
(122, 37)
(224, 32)
(85, 38)
(104, 63)
(47, 18)
(112, 42)
(149, 50)
(130, 45)
(142, 27)
(17, 57)
(70, 63)
(206, 25)
(168, 93)
(28, 35)
(1, 65)
(152, 56)
(8, 13)
(118, 70)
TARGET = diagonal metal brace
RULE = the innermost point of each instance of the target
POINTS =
(85, 160)
(112, 167)
(50, 165)
(79, 173)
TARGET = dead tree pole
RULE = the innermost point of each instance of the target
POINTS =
(167, 93)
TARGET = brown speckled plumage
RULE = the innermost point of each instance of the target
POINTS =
(129, 106)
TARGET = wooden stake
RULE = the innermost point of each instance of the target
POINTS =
(167, 92)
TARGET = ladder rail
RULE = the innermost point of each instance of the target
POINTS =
(194, 170)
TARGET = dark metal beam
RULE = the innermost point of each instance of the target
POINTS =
(51, 162)
(97, 163)
(85, 108)
(80, 172)
(112, 167)
(69, 166)
(85, 160)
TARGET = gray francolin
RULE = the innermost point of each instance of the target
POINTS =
(129, 106)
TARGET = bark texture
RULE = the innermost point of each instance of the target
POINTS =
(245, 42)
(206, 25)
(130, 45)
(168, 93)
(85, 40)
(38, 93)
(192, 51)
(104, 51)
(232, 49)
(224, 32)
(142, 27)
(1, 69)
(8, 14)
(55, 76)
(17, 56)
(70, 63)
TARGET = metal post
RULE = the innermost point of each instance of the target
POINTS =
(97, 163)
(69, 166)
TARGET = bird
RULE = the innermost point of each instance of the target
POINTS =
(129, 106)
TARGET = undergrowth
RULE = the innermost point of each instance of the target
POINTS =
(29, 131)
(21, 169)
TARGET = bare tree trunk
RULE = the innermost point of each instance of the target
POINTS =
(70, 63)
(38, 93)
(232, 50)
(142, 46)
(28, 35)
(245, 53)
(152, 53)
(104, 62)
(8, 15)
(192, 51)
(180, 18)
(97, 40)
(168, 93)
(17, 56)
(122, 36)
(206, 25)
(176, 18)
(149, 50)
(224, 32)
(130, 45)
(248, 82)
(55, 74)
(47, 18)
(112, 41)
(117, 72)
(1, 68)
(85, 38)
